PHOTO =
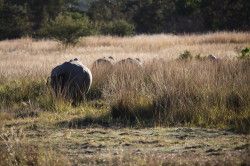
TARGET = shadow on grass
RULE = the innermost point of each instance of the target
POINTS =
(78, 123)
(104, 121)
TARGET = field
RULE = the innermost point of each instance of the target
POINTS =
(169, 112)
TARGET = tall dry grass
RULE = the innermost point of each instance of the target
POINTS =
(28, 57)
(201, 93)
(15, 149)
(164, 92)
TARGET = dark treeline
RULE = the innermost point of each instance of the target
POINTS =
(156, 16)
(39, 18)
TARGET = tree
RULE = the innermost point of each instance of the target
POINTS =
(226, 15)
(14, 21)
(106, 10)
(67, 28)
(150, 18)
(25, 17)
(118, 28)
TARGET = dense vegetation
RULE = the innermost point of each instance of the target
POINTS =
(189, 93)
(118, 17)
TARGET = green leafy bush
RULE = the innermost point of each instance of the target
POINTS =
(186, 55)
(245, 53)
(118, 28)
(67, 28)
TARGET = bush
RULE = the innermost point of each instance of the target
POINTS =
(118, 28)
(186, 55)
(245, 53)
(67, 28)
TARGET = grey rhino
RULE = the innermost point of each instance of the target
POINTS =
(71, 79)
(103, 62)
(212, 58)
(129, 61)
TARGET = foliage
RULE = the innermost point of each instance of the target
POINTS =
(14, 22)
(106, 10)
(198, 57)
(118, 28)
(225, 15)
(186, 55)
(153, 16)
(20, 18)
(67, 28)
(245, 53)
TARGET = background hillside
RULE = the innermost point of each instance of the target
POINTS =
(53, 18)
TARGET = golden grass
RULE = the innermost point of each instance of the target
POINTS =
(15, 149)
(166, 91)
(28, 57)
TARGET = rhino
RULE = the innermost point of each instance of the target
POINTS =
(212, 58)
(131, 62)
(106, 62)
(71, 79)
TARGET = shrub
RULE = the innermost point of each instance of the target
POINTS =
(245, 53)
(118, 28)
(198, 57)
(67, 28)
(186, 55)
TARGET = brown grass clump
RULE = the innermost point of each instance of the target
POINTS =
(15, 149)
(182, 92)
(5, 116)
(22, 154)
(132, 107)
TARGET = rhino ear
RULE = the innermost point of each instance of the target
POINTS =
(76, 59)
